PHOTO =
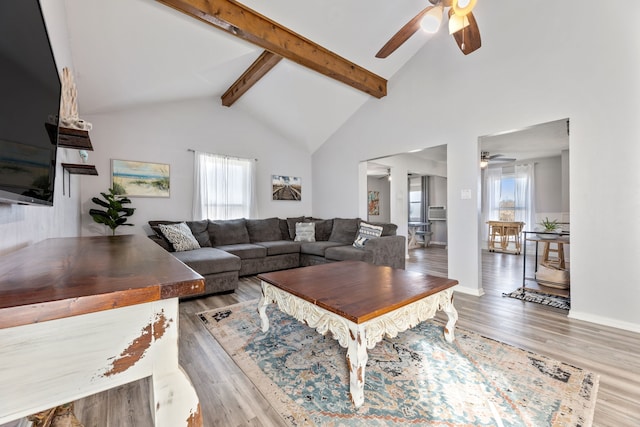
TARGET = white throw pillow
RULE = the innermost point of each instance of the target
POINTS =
(305, 232)
(180, 236)
(366, 232)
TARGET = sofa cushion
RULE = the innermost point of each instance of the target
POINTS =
(348, 253)
(366, 232)
(164, 243)
(180, 236)
(228, 232)
(291, 225)
(209, 260)
(284, 229)
(388, 229)
(317, 248)
(264, 230)
(280, 247)
(245, 250)
(305, 232)
(155, 227)
(323, 228)
(344, 230)
(200, 232)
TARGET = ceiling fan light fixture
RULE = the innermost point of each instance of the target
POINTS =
(463, 7)
(484, 159)
(457, 23)
(431, 21)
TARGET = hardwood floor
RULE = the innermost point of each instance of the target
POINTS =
(228, 398)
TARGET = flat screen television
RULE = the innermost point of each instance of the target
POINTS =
(29, 105)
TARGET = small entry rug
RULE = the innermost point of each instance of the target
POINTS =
(540, 298)
(414, 379)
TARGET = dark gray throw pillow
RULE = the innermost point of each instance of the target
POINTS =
(291, 223)
(344, 230)
(323, 229)
(200, 231)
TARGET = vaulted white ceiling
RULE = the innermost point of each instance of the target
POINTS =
(129, 53)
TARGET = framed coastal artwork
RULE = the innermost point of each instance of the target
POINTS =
(286, 187)
(374, 203)
(140, 179)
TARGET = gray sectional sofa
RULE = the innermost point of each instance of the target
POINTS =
(242, 247)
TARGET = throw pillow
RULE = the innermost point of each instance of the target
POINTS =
(344, 231)
(305, 232)
(180, 236)
(366, 232)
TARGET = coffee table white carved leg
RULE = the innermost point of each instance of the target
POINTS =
(358, 337)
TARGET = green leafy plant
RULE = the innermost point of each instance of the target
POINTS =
(549, 225)
(115, 214)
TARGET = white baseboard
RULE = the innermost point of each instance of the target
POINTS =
(606, 321)
(469, 291)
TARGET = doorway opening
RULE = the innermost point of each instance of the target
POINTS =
(524, 180)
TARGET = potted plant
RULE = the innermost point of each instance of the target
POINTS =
(115, 214)
(550, 226)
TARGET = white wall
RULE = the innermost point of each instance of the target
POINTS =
(536, 69)
(548, 185)
(23, 225)
(163, 133)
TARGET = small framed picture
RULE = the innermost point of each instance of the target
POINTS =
(286, 187)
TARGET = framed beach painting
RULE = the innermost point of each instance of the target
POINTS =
(140, 179)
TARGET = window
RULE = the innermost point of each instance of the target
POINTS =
(507, 208)
(416, 206)
(508, 194)
(224, 187)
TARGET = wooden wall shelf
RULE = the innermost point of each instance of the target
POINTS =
(74, 138)
(71, 138)
(80, 169)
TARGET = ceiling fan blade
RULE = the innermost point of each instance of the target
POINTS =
(468, 38)
(403, 34)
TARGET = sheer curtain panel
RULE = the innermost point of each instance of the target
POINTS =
(224, 187)
(524, 195)
(492, 181)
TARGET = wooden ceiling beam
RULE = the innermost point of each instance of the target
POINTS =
(247, 24)
(261, 66)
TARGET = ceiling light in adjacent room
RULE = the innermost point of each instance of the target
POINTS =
(484, 159)
(431, 21)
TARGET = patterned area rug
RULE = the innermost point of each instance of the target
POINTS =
(416, 378)
(540, 298)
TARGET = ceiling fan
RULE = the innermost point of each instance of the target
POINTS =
(486, 158)
(462, 25)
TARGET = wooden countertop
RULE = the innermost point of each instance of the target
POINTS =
(65, 277)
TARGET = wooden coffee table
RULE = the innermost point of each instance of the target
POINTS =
(360, 304)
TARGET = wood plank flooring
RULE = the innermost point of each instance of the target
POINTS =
(229, 399)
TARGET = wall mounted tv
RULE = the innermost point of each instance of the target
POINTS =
(29, 105)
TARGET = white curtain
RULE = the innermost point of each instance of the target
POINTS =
(224, 187)
(491, 191)
(525, 195)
